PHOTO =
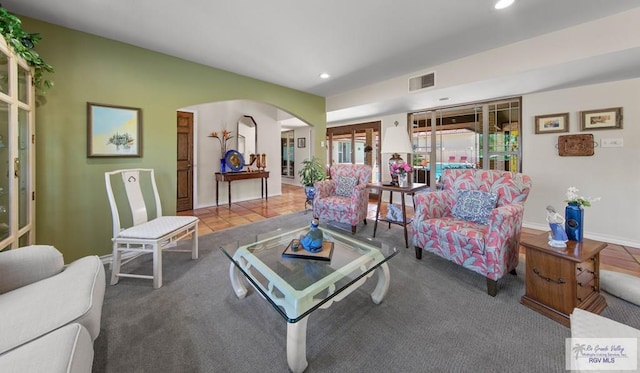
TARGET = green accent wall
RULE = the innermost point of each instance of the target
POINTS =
(72, 211)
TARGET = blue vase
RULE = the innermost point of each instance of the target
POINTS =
(574, 222)
(310, 192)
(223, 165)
(312, 241)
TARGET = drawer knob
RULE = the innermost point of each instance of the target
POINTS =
(585, 270)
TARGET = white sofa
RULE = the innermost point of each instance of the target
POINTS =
(585, 324)
(50, 313)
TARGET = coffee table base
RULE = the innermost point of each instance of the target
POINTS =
(297, 332)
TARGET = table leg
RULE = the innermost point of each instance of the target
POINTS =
(375, 225)
(266, 190)
(216, 192)
(297, 345)
(236, 281)
(390, 203)
(404, 220)
(229, 185)
(383, 284)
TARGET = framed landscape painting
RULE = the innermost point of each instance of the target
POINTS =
(601, 119)
(113, 131)
(552, 123)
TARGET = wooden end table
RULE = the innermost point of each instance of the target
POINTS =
(411, 189)
(559, 280)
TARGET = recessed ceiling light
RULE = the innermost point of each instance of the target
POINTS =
(501, 4)
(324, 76)
(444, 99)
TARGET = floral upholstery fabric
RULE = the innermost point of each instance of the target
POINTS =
(351, 209)
(489, 249)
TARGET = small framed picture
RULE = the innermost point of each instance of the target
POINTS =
(552, 123)
(113, 131)
(302, 142)
(602, 119)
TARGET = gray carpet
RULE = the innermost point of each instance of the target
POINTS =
(436, 317)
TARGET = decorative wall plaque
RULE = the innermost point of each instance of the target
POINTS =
(575, 145)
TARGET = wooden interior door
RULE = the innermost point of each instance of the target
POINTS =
(185, 162)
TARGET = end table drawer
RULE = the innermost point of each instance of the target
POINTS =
(584, 290)
(584, 277)
(586, 266)
(549, 281)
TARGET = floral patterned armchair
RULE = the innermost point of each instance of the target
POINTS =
(345, 197)
(475, 221)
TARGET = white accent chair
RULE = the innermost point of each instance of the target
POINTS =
(138, 224)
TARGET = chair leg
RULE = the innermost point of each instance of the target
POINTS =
(115, 265)
(157, 266)
(353, 229)
(418, 252)
(194, 243)
(492, 287)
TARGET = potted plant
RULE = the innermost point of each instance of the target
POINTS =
(312, 170)
(22, 44)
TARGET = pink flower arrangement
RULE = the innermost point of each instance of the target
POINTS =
(400, 168)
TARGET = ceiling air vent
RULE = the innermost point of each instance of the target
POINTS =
(422, 82)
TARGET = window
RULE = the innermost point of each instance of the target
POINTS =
(484, 135)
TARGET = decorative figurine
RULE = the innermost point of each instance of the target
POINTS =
(252, 160)
(312, 241)
(394, 213)
(558, 236)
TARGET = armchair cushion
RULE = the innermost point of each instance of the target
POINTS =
(68, 349)
(474, 205)
(345, 185)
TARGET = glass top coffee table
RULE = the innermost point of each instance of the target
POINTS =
(296, 287)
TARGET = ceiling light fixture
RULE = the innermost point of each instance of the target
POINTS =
(501, 4)
(324, 76)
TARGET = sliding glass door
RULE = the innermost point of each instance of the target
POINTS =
(503, 137)
(356, 144)
(485, 135)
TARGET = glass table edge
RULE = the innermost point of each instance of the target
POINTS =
(394, 252)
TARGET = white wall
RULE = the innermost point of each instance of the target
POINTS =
(224, 115)
(302, 154)
(611, 173)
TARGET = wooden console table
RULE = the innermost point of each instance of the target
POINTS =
(243, 175)
(559, 280)
(411, 189)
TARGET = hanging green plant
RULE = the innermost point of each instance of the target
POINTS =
(22, 44)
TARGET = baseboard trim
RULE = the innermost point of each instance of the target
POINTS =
(597, 237)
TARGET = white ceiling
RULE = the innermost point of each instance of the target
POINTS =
(358, 42)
